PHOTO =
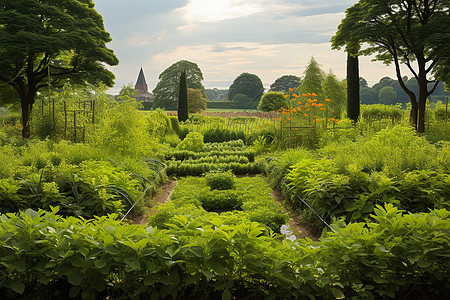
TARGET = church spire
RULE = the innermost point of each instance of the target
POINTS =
(141, 84)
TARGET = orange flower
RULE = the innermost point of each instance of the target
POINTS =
(285, 121)
(294, 95)
(309, 94)
(309, 100)
(308, 109)
(305, 114)
(290, 89)
(289, 119)
(315, 100)
(298, 103)
(322, 108)
(299, 108)
(314, 104)
(315, 117)
(332, 119)
(284, 112)
(328, 100)
(314, 94)
(295, 128)
(318, 120)
(294, 109)
(337, 120)
(267, 124)
(304, 95)
(285, 96)
(319, 104)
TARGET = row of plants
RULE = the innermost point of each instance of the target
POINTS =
(349, 178)
(395, 255)
(194, 157)
(79, 178)
(248, 198)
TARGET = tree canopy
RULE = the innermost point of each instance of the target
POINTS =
(51, 42)
(284, 83)
(314, 76)
(166, 91)
(249, 85)
(400, 32)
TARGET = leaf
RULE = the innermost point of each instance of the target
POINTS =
(74, 279)
(100, 264)
(74, 291)
(423, 263)
(17, 286)
(338, 294)
(226, 295)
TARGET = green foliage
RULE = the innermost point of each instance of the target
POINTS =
(69, 45)
(392, 256)
(249, 85)
(335, 90)
(123, 130)
(196, 100)
(221, 199)
(378, 112)
(220, 180)
(251, 195)
(166, 91)
(387, 95)
(284, 83)
(227, 256)
(183, 105)
(192, 142)
(272, 101)
(313, 79)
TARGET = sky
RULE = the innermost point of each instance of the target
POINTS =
(269, 38)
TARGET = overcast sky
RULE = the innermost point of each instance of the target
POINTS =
(269, 38)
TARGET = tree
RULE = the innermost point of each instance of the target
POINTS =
(400, 32)
(249, 85)
(368, 95)
(127, 92)
(183, 107)
(242, 101)
(334, 90)
(387, 95)
(314, 76)
(363, 83)
(51, 43)
(272, 101)
(166, 91)
(284, 83)
(196, 100)
(353, 98)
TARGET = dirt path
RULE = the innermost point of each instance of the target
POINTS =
(162, 195)
(295, 226)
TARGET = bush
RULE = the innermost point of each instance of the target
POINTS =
(219, 200)
(220, 180)
(192, 142)
(272, 101)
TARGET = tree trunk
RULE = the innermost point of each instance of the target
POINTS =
(353, 101)
(413, 113)
(27, 101)
(423, 93)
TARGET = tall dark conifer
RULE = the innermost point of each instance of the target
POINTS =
(353, 102)
(183, 109)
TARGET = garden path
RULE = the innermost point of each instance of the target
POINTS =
(295, 227)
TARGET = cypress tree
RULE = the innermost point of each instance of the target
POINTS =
(353, 101)
(183, 110)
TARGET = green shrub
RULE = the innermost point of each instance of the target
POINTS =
(220, 180)
(219, 200)
(192, 142)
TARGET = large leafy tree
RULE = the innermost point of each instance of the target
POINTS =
(183, 110)
(48, 42)
(400, 32)
(166, 91)
(249, 85)
(284, 83)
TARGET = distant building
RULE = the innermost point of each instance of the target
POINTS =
(142, 89)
